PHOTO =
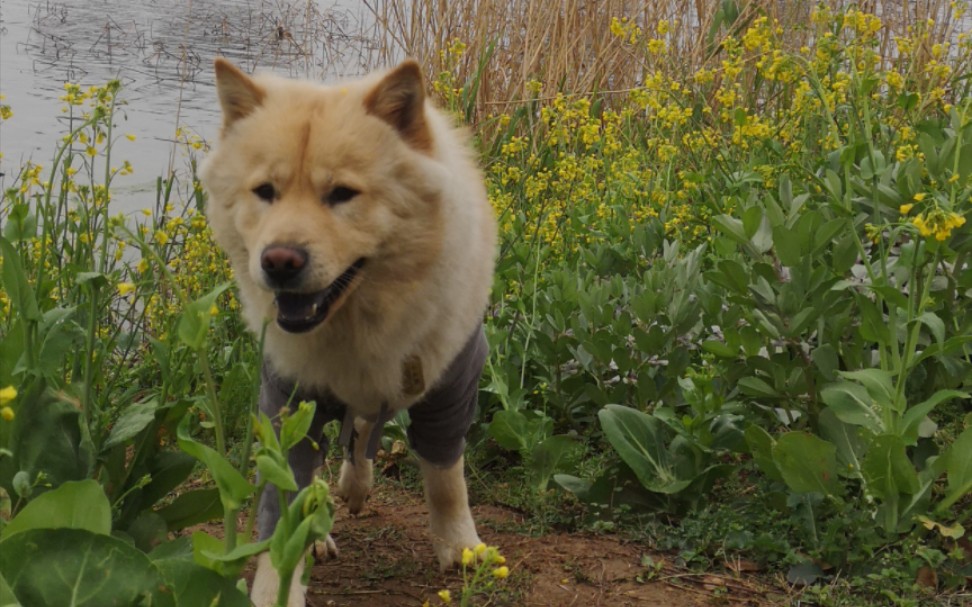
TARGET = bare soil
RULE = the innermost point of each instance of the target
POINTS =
(386, 560)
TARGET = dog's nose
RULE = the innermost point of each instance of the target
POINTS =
(282, 265)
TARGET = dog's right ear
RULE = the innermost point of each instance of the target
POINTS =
(238, 93)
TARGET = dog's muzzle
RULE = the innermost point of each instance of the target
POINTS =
(299, 312)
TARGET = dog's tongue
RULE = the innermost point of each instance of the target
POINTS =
(298, 309)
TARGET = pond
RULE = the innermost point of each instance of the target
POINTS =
(162, 52)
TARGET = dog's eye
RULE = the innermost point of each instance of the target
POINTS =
(341, 194)
(266, 192)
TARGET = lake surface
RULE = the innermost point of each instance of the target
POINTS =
(162, 51)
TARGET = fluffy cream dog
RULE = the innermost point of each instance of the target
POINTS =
(357, 225)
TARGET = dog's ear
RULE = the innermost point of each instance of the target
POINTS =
(238, 94)
(399, 100)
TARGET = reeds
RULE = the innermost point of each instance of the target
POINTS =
(569, 47)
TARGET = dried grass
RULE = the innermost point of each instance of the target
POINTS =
(568, 45)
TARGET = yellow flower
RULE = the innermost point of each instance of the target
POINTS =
(501, 572)
(920, 196)
(905, 208)
(480, 549)
(467, 556)
(124, 288)
(446, 596)
(7, 414)
(130, 137)
(7, 394)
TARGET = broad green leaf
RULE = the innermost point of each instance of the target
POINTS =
(275, 473)
(761, 446)
(850, 446)
(73, 505)
(640, 441)
(808, 463)
(515, 431)
(912, 418)
(958, 467)
(131, 422)
(877, 382)
(233, 487)
(294, 426)
(192, 508)
(78, 568)
(15, 282)
(887, 469)
(193, 584)
(46, 439)
(7, 598)
(732, 227)
(754, 386)
(550, 455)
(935, 326)
(195, 319)
(852, 404)
(719, 348)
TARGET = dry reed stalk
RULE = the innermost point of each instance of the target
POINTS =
(568, 46)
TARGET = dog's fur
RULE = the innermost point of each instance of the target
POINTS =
(418, 216)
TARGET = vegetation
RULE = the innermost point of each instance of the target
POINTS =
(732, 311)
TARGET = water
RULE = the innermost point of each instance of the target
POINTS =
(162, 52)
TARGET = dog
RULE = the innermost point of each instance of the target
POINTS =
(359, 231)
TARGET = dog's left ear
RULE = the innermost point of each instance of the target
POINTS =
(399, 100)
(238, 94)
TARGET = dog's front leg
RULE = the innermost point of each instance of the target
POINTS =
(451, 521)
(357, 475)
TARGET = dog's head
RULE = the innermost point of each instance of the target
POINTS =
(323, 196)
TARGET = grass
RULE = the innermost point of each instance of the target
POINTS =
(731, 307)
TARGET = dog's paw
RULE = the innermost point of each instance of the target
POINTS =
(266, 583)
(449, 541)
(354, 484)
(325, 549)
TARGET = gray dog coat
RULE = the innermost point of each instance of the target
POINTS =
(437, 429)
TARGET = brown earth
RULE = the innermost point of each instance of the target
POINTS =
(386, 560)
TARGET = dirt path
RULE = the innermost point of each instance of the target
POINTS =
(386, 560)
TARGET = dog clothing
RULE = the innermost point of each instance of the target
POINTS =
(437, 430)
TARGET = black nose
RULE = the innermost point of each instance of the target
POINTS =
(282, 265)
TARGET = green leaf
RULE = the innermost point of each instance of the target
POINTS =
(958, 467)
(878, 384)
(193, 584)
(294, 426)
(912, 418)
(73, 505)
(515, 431)
(7, 598)
(131, 422)
(195, 319)
(641, 441)
(761, 446)
(850, 446)
(935, 326)
(887, 470)
(808, 463)
(719, 348)
(550, 456)
(732, 227)
(754, 386)
(852, 404)
(78, 568)
(276, 473)
(16, 284)
(233, 487)
(192, 508)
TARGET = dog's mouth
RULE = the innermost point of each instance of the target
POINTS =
(301, 312)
